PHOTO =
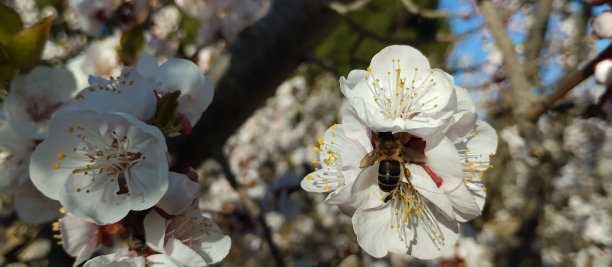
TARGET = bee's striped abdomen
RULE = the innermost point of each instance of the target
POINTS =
(388, 175)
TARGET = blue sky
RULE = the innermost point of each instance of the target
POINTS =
(471, 46)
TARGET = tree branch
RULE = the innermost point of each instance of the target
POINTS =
(566, 84)
(519, 86)
(535, 37)
(259, 60)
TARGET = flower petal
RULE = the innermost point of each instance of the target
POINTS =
(196, 89)
(182, 191)
(155, 229)
(444, 160)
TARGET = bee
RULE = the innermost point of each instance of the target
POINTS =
(391, 155)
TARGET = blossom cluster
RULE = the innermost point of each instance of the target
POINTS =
(100, 154)
(408, 158)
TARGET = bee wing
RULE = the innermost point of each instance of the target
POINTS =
(369, 159)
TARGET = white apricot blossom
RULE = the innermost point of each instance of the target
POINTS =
(101, 165)
(34, 97)
(603, 72)
(339, 156)
(182, 75)
(399, 92)
(444, 154)
(188, 239)
(602, 25)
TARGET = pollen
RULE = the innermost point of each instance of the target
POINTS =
(56, 165)
(317, 149)
(80, 126)
(62, 210)
(70, 130)
(61, 155)
(321, 141)
(335, 126)
(369, 69)
(314, 160)
(325, 188)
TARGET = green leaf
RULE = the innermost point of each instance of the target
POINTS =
(165, 114)
(7, 73)
(26, 47)
(131, 43)
(10, 23)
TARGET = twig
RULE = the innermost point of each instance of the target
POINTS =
(344, 9)
(432, 14)
(535, 37)
(566, 84)
(317, 61)
(252, 206)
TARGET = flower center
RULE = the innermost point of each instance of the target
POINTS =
(104, 158)
(409, 211)
(398, 98)
(189, 227)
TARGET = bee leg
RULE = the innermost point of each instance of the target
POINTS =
(389, 196)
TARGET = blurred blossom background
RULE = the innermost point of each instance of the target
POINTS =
(276, 65)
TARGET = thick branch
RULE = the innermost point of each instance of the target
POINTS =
(566, 84)
(520, 88)
(259, 60)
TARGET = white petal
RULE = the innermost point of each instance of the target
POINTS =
(79, 237)
(183, 254)
(147, 66)
(155, 230)
(117, 259)
(444, 161)
(356, 130)
(34, 97)
(374, 234)
(464, 120)
(130, 93)
(181, 193)
(409, 59)
(317, 182)
(196, 89)
(428, 189)
(365, 193)
(33, 207)
(464, 203)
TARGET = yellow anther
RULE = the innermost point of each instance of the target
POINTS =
(325, 188)
(317, 149)
(309, 177)
(91, 89)
(61, 155)
(416, 69)
(70, 130)
(314, 160)
(321, 141)
(435, 106)
(335, 126)
(369, 69)
(80, 126)
(56, 165)
(62, 210)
